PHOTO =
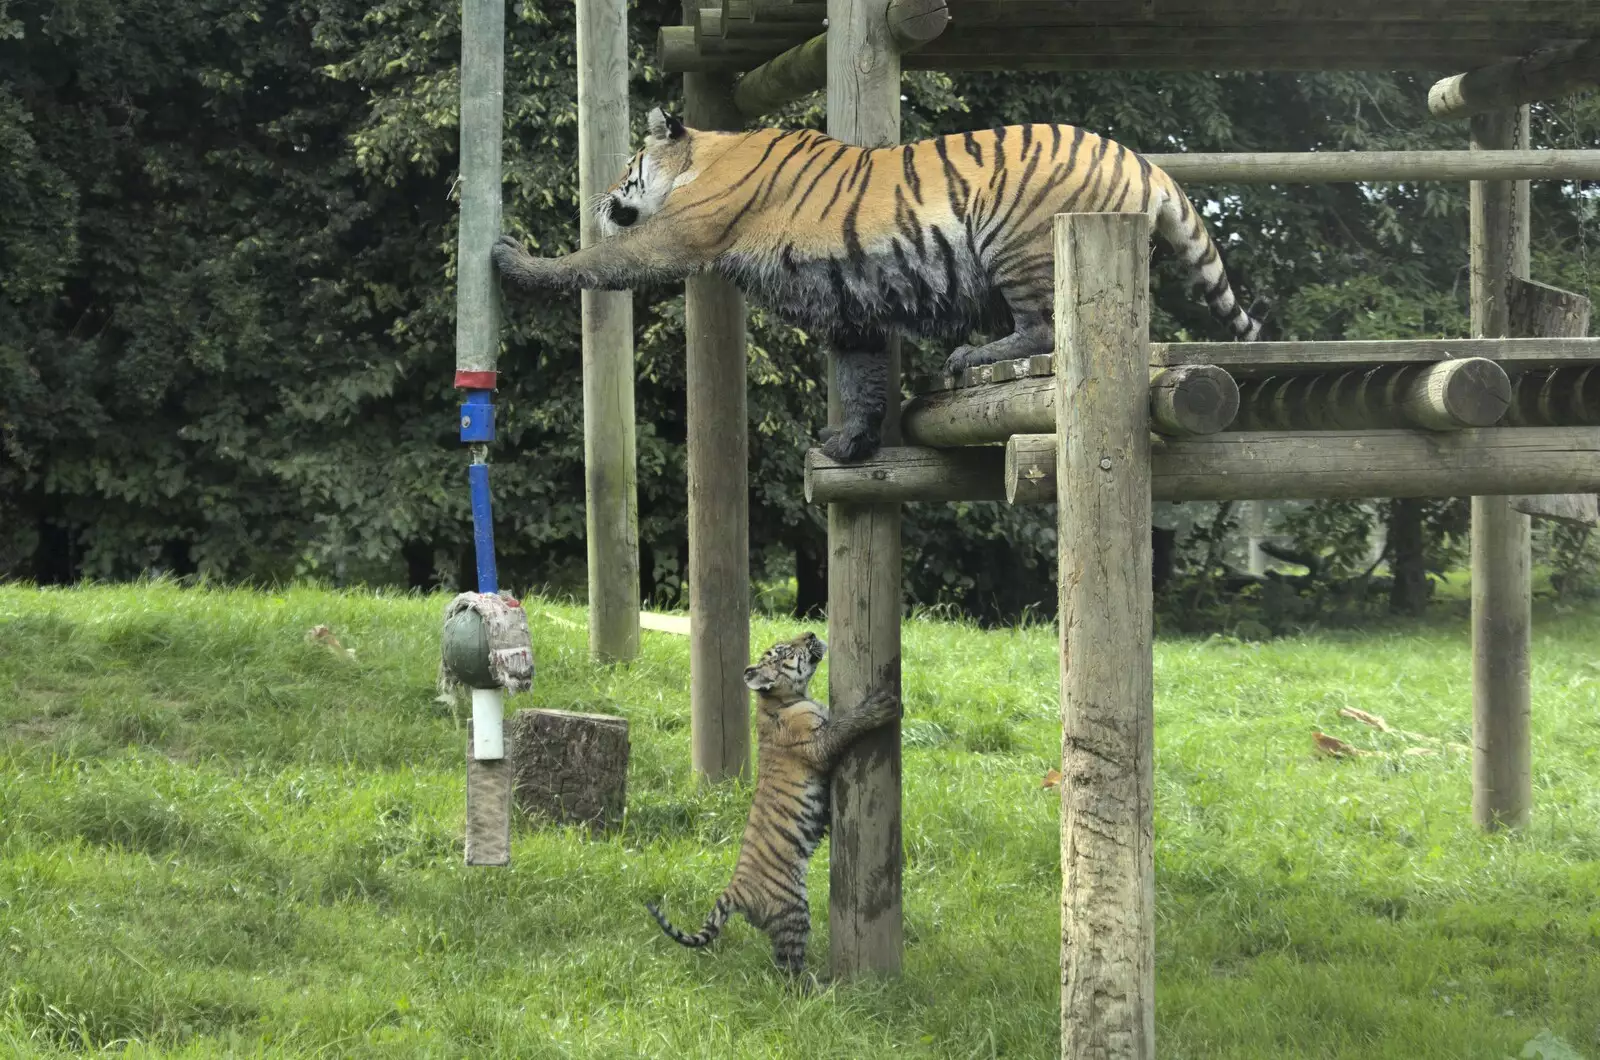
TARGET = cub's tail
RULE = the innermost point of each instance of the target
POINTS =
(1181, 228)
(707, 934)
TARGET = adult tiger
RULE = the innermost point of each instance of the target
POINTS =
(854, 243)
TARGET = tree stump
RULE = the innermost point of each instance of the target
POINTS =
(569, 768)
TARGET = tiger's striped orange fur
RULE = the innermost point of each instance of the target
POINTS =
(798, 743)
(855, 244)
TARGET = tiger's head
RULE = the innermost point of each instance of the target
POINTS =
(784, 670)
(662, 165)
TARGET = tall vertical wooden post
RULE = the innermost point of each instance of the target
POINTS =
(610, 486)
(1107, 687)
(719, 497)
(1502, 768)
(864, 571)
(483, 56)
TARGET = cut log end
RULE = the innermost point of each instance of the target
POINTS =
(1192, 399)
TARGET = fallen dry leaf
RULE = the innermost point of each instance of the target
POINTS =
(1052, 778)
(1334, 747)
(1364, 718)
(1417, 751)
(324, 636)
(1463, 748)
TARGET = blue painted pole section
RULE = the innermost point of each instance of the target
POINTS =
(483, 528)
(477, 427)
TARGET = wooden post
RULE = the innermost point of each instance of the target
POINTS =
(719, 498)
(611, 512)
(864, 571)
(1537, 309)
(1107, 685)
(483, 34)
(1502, 770)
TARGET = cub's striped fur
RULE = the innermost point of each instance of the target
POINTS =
(798, 744)
(854, 244)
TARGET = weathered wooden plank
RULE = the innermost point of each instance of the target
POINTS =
(971, 473)
(1108, 914)
(1563, 14)
(1314, 167)
(865, 933)
(610, 493)
(719, 497)
(1502, 557)
(1547, 74)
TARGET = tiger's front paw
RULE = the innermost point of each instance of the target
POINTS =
(513, 262)
(960, 360)
(848, 444)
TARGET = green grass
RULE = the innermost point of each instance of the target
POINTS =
(217, 839)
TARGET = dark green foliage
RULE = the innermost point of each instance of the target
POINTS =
(226, 301)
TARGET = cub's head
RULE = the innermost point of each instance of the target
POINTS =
(785, 669)
(651, 175)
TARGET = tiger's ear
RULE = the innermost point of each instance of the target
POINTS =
(663, 126)
(757, 680)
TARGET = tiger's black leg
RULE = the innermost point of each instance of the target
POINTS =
(861, 374)
(1033, 335)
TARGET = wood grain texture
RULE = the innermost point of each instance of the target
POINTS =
(1184, 400)
(1547, 74)
(1563, 397)
(483, 31)
(719, 494)
(1102, 310)
(865, 932)
(488, 840)
(1502, 562)
(1252, 465)
(786, 77)
(1246, 359)
(569, 768)
(611, 512)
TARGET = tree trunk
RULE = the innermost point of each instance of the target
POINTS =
(1408, 595)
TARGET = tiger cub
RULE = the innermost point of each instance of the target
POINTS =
(798, 744)
(855, 244)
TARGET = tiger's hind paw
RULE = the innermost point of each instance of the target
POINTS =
(849, 444)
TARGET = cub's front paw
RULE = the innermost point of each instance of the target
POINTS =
(850, 443)
(883, 706)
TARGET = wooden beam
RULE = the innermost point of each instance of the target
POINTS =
(1502, 560)
(1251, 465)
(719, 497)
(1547, 74)
(1444, 396)
(1560, 397)
(1184, 400)
(1332, 167)
(1565, 15)
(611, 502)
(865, 933)
(913, 23)
(1108, 875)
(1246, 359)
(783, 79)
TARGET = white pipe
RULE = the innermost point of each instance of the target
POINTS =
(488, 724)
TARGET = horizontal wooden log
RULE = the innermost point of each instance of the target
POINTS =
(1188, 400)
(1565, 14)
(993, 55)
(1547, 74)
(1246, 359)
(1331, 167)
(968, 474)
(783, 79)
(1563, 397)
(1268, 465)
(914, 23)
(1444, 396)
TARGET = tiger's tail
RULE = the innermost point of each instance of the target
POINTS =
(707, 933)
(1181, 227)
